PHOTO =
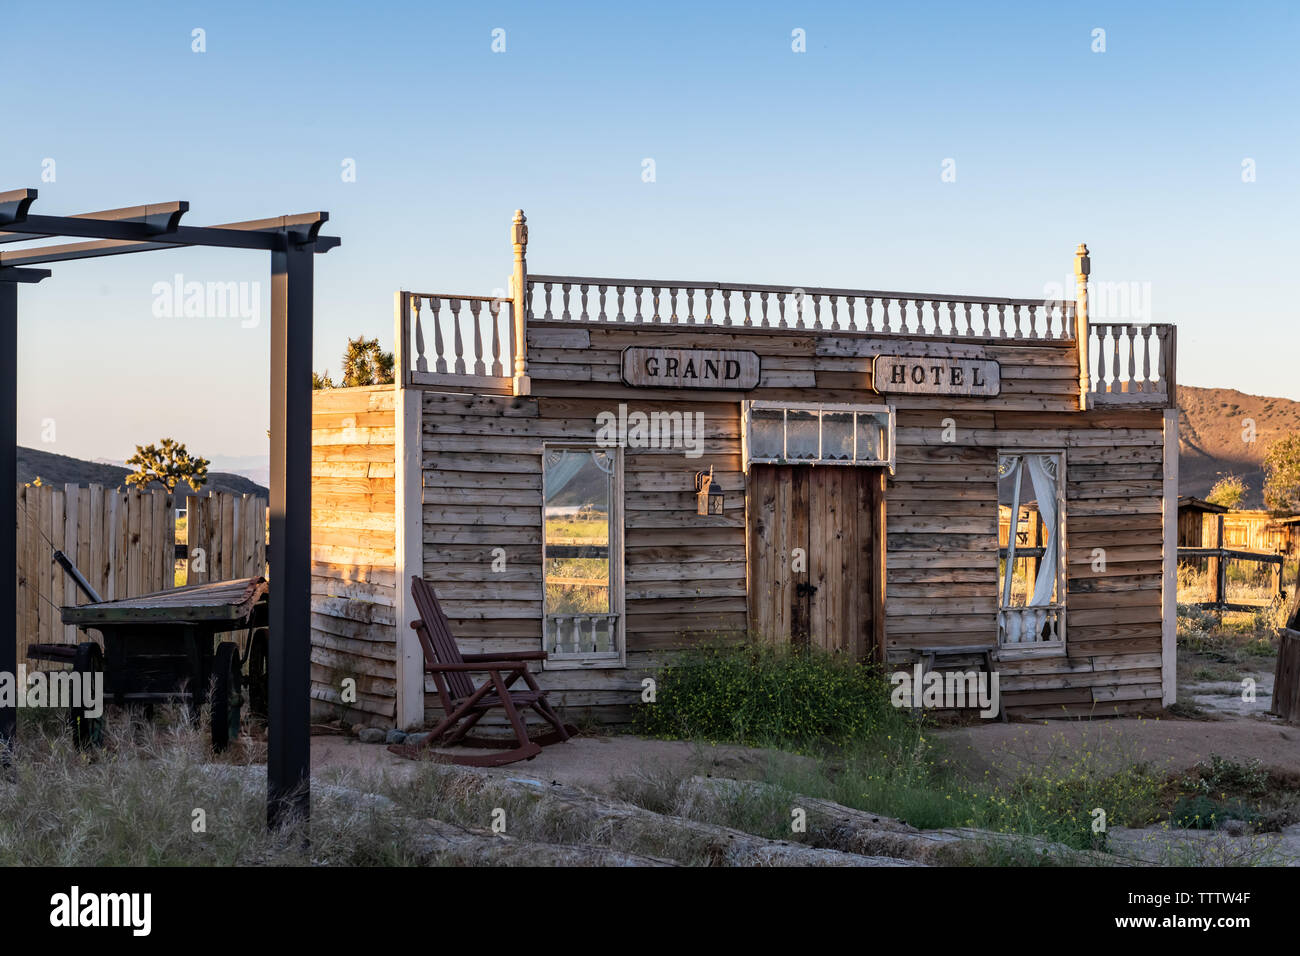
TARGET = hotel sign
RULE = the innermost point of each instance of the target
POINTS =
(930, 375)
(690, 368)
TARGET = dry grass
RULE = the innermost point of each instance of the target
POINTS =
(1247, 583)
(134, 803)
(155, 795)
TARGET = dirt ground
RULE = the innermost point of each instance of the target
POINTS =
(592, 763)
(1167, 743)
(597, 763)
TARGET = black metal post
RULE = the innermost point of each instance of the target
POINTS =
(293, 241)
(8, 499)
(289, 665)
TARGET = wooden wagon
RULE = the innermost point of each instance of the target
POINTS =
(162, 647)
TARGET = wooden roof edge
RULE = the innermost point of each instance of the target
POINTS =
(1191, 501)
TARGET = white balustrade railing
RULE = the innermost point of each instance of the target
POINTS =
(1026, 626)
(472, 337)
(581, 635)
(467, 340)
(1131, 363)
(642, 301)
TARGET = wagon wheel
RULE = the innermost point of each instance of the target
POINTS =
(258, 688)
(88, 731)
(227, 696)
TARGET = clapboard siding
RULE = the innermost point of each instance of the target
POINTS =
(685, 575)
(353, 582)
(944, 533)
(480, 507)
(563, 360)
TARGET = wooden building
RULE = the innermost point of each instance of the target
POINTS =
(609, 468)
(1197, 522)
(1266, 532)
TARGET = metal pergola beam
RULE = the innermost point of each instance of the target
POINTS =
(23, 275)
(109, 247)
(14, 204)
(8, 500)
(9, 280)
(293, 241)
(264, 234)
(161, 217)
(289, 662)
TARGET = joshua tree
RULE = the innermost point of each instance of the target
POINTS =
(365, 363)
(169, 466)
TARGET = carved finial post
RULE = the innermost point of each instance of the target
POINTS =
(1082, 267)
(519, 293)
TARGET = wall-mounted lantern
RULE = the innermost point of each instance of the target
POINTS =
(708, 494)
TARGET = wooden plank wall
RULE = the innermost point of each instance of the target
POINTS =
(1252, 531)
(482, 475)
(941, 508)
(1262, 531)
(353, 582)
(686, 574)
(121, 540)
(1195, 529)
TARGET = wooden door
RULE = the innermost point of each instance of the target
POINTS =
(816, 556)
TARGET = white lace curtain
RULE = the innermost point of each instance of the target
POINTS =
(1043, 473)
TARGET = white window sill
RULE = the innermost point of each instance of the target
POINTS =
(584, 663)
(1016, 652)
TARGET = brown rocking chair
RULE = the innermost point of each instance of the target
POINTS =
(464, 705)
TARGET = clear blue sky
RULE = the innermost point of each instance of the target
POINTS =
(816, 168)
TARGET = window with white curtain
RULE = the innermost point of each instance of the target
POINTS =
(818, 433)
(1031, 541)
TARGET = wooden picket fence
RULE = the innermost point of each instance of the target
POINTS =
(124, 542)
(231, 531)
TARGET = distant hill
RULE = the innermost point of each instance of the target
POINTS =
(62, 470)
(1210, 437)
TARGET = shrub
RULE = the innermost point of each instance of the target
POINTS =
(1060, 803)
(1282, 474)
(755, 693)
(1223, 774)
(1229, 491)
(1202, 813)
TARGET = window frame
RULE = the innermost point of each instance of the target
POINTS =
(1057, 647)
(617, 598)
(746, 430)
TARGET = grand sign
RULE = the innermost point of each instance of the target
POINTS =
(931, 375)
(690, 368)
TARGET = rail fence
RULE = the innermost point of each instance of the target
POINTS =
(1217, 559)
